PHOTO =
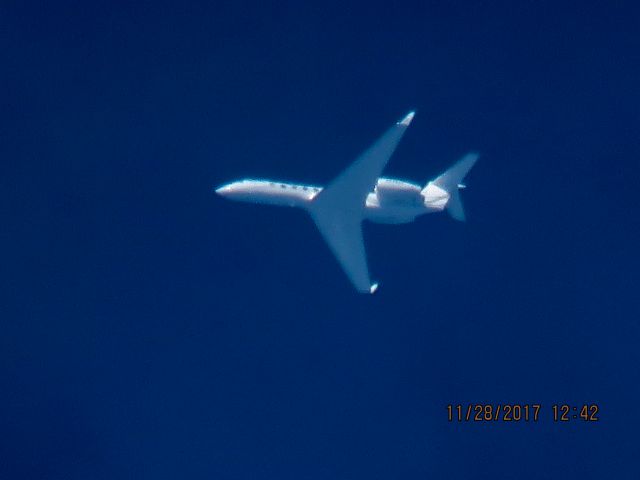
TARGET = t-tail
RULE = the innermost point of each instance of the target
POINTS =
(451, 182)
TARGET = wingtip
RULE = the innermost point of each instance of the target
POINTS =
(373, 288)
(407, 119)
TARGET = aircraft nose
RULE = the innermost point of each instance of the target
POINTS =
(224, 189)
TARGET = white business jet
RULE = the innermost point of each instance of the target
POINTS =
(360, 193)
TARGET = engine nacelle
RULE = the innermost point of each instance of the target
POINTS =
(397, 192)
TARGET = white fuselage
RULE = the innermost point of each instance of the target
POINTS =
(391, 201)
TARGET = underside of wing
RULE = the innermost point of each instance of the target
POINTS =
(339, 208)
(344, 237)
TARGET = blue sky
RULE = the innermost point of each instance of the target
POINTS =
(150, 329)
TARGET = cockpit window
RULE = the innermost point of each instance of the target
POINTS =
(282, 185)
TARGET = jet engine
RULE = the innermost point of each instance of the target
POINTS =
(397, 192)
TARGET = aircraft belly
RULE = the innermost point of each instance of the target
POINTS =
(392, 214)
(285, 200)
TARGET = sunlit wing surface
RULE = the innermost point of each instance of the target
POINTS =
(338, 209)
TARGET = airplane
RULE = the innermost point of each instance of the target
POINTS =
(359, 193)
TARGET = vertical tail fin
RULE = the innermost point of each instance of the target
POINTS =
(454, 206)
(451, 182)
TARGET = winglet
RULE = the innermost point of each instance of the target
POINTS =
(373, 288)
(407, 119)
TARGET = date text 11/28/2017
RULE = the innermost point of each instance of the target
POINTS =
(488, 412)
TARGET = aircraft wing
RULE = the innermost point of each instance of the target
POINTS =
(338, 209)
